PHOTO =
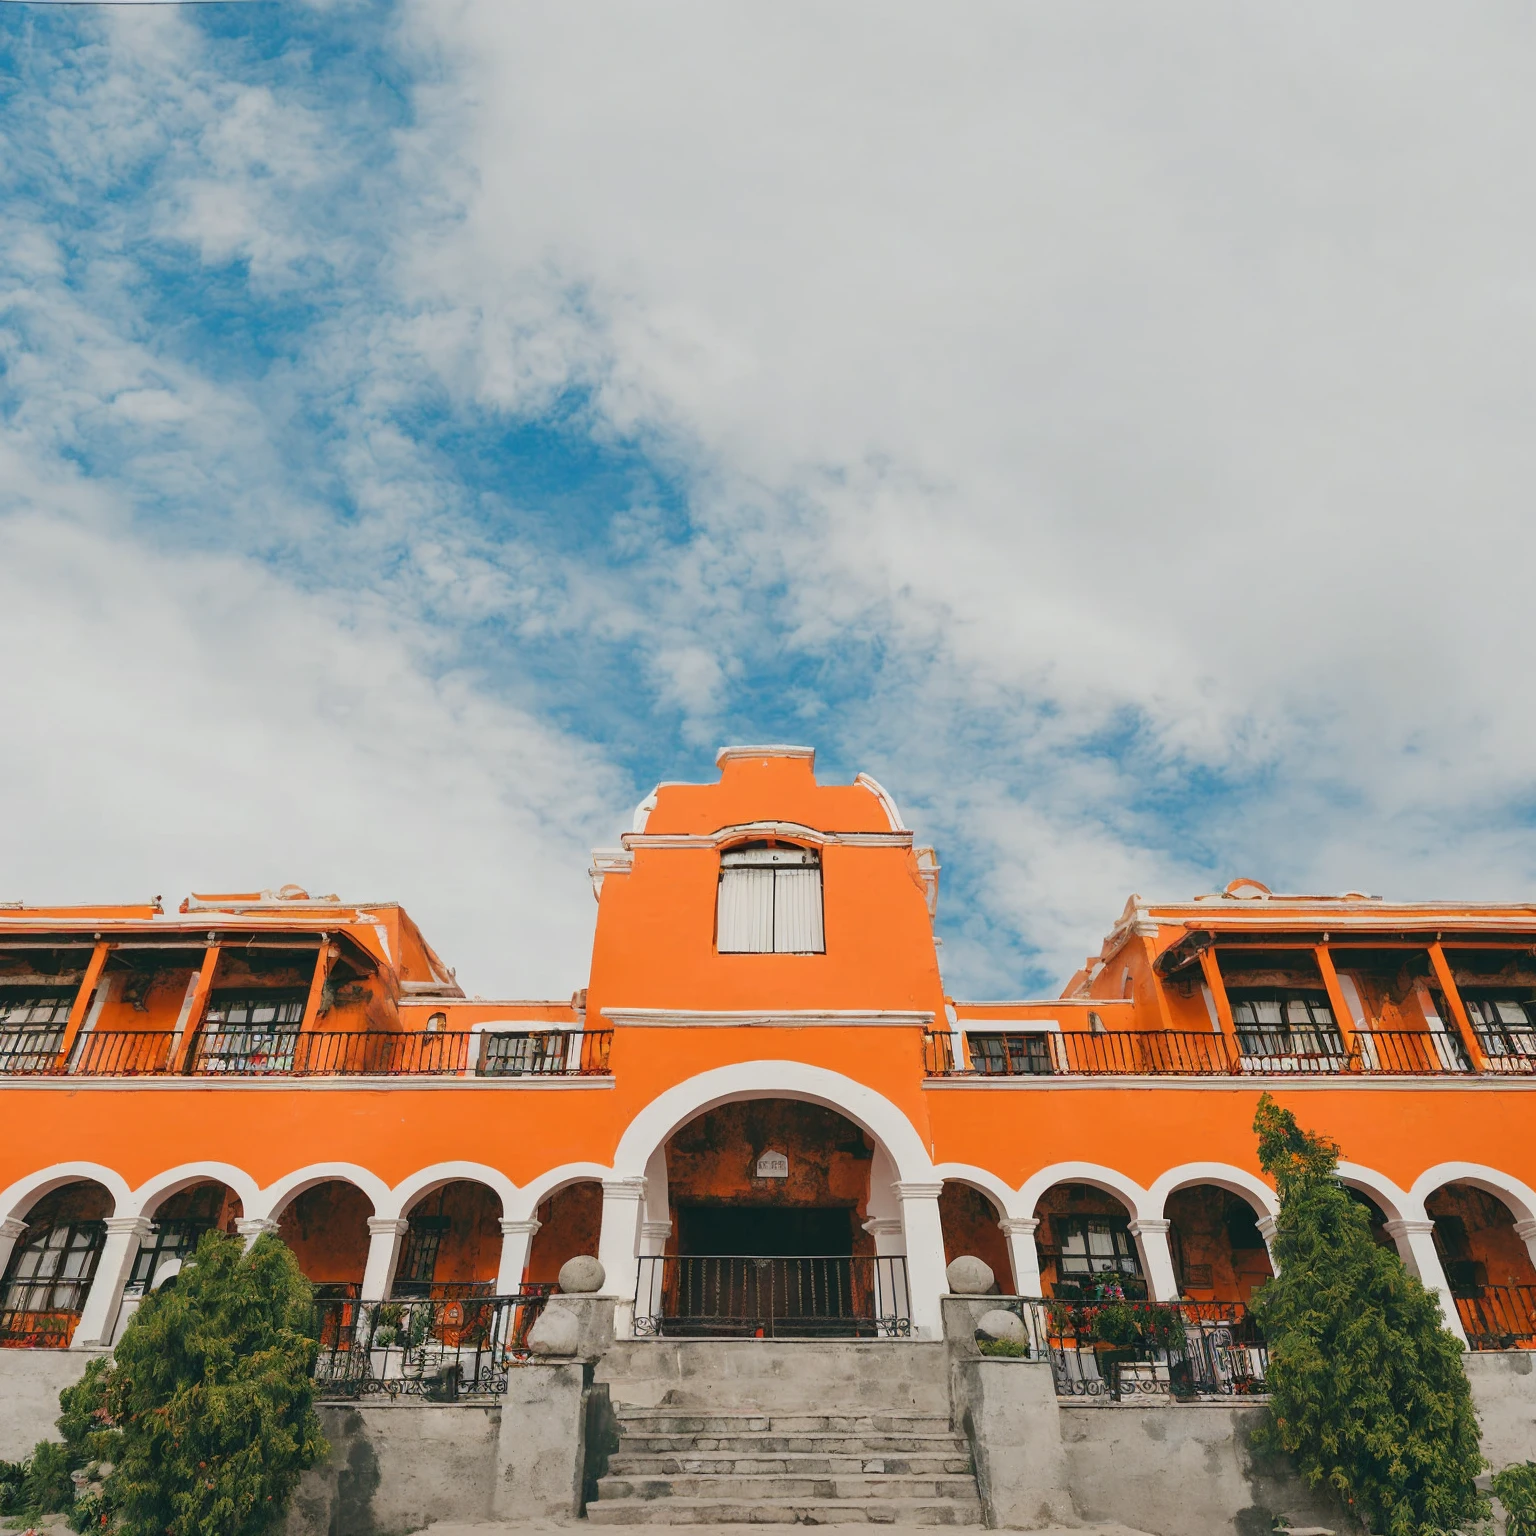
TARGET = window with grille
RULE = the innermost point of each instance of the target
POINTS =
(52, 1269)
(1018, 1055)
(769, 901)
(251, 1032)
(418, 1255)
(32, 1029)
(1285, 1023)
(521, 1055)
(1094, 1245)
(1506, 1026)
(174, 1237)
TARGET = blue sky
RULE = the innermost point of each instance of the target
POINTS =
(424, 427)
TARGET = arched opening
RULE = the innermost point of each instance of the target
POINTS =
(969, 1222)
(1383, 1238)
(52, 1265)
(1218, 1252)
(1085, 1245)
(769, 1228)
(452, 1243)
(326, 1226)
(1487, 1266)
(570, 1224)
(177, 1225)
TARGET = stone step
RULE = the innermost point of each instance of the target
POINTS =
(769, 1444)
(772, 1487)
(836, 1420)
(708, 1511)
(792, 1463)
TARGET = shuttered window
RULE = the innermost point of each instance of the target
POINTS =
(770, 901)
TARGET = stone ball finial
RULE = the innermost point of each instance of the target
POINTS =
(998, 1324)
(582, 1275)
(970, 1276)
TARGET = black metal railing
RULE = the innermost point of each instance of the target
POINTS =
(1193, 1053)
(441, 1350)
(1499, 1317)
(737, 1296)
(1509, 1049)
(122, 1053)
(1144, 1349)
(30, 1052)
(23, 1329)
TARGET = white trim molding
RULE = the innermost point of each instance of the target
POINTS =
(766, 1018)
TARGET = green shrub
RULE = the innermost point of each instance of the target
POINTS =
(12, 1475)
(1367, 1391)
(1009, 1349)
(46, 1488)
(1516, 1488)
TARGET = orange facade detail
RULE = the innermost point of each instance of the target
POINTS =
(763, 1057)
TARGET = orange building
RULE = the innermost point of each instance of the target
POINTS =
(762, 1072)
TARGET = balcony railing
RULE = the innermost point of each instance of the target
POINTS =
(736, 1296)
(283, 1053)
(21, 1329)
(442, 1350)
(996, 1051)
(1144, 1350)
(1499, 1317)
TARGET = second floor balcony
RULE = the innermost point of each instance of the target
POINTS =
(278, 1049)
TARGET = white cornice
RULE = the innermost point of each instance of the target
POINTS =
(794, 830)
(783, 1018)
(1344, 1082)
(777, 749)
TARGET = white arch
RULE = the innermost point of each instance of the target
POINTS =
(772, 1080)
(1237, 1181)
(425, 1180)
(1136, 1200)
(531, 1196)
(270, 1202)
(21, 1196)
(1517, 1195)
(1396, 1203)
(149, 1196)
(1002, 1195)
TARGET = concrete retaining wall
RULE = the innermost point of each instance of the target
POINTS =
(1182, 1469)
(1504, 1392)
(30, 1383)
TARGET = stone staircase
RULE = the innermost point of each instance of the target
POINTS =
(782, 1431)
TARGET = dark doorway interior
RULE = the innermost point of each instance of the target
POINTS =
(762, 1230)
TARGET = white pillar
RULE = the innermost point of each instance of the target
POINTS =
(516, 1241)
(252, 1227)
(1268, 1226)
(384, 1236)
(1020, 1232)
(892, 1295)
(1416, 1244)
(1151, 1234)
(1526, 1231)
(618, 1247)
(924, 1234)
(10, 1231)
(98, 1318)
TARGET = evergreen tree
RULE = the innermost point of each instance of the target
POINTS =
(1367, 1391)
(206, 1413)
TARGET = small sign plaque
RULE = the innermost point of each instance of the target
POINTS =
(773, 1165)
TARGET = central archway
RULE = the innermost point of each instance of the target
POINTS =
(879, 1204)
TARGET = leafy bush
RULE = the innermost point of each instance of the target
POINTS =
(204, 1420)
(1367, 1391)
(1516, 1488)
(1009, 1349)
(12, 1475)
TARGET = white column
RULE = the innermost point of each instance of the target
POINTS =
(618, 1247)
(892, 1296)
(1268, 1226)
(98, 1318)
(252, 1227)
(924, 1234)
(516, 1240)
(1526, 1231)
(1416, 1244)
(384, 1235)
(1020, 1232)
(1151, 1234)
(653, 1245)
(10, 1230)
